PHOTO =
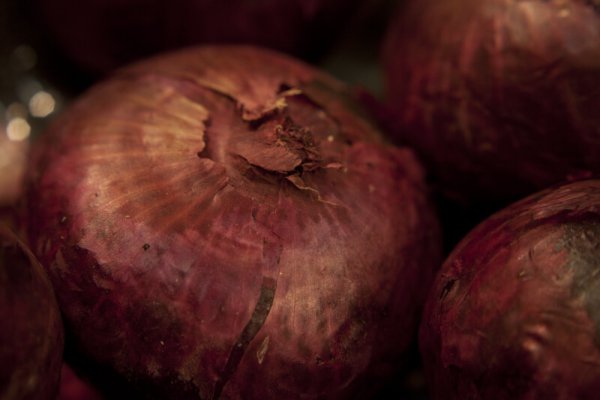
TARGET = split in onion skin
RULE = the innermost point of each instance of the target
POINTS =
(221, 222)
(499, 97)
(100, 35)
(514, 312)
(31, 339)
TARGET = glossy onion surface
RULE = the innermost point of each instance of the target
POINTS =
(100, 35)
(499, 96)
(221, 222)
(31, 338)
(515, 310)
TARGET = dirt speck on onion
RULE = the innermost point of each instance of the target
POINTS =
(514, 311)
(222, 222)
(31, 338)
(498, 96)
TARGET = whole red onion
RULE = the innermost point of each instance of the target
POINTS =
(223, 223)
(499, 96)
(514, 312)
(100, 35)
(31, 338)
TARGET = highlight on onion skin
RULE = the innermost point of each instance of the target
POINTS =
(222, 222)
(31, 339)
(514, 311)
(100, 35)
(498, 96)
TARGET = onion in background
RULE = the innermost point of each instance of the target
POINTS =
(31, 338)
(100, 35)
(223, 223)
(514, 312)
(500, 97)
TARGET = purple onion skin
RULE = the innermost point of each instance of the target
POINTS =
(514, 312)
(31, 339)
(222, 222)
(500, 97)
(100, 35)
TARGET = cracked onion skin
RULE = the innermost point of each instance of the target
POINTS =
(221, 222)
(100, 35)
(514, 312)
(499, 97)
(31, 339)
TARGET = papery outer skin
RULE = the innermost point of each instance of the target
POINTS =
(31, 339)
(100, 35)
(176, 202)
(514, 311)
(499, 97)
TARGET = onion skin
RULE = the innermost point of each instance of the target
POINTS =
(100, 35)
(514, 311)
(31, 340)
(221, 222)
(498, 96)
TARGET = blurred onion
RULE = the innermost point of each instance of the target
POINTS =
(100, 35)
(515, 310)
(500, 97)
(31, 339)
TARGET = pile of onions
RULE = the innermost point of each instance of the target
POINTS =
(100, 35)
(31, 338)
(222, 222)
(515, 310)
(500, 97)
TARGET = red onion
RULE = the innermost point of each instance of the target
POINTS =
(223, 223)
(514, 311)
(499, 96)
(100, 35)
(31, 338)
